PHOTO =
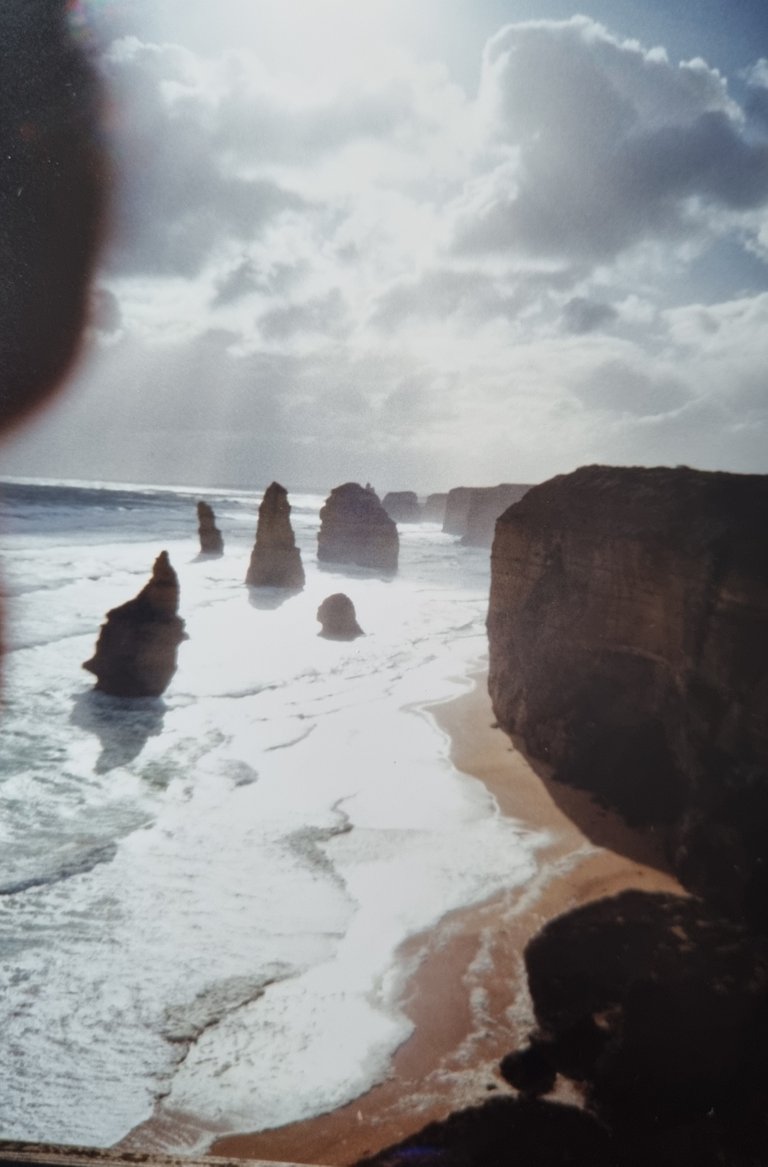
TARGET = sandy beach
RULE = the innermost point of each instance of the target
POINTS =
(465, 988)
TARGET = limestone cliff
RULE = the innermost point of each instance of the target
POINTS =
(355, 528)
(135, 653)
(628, 634)
(471, 511)
(211, 541)
(275, 559)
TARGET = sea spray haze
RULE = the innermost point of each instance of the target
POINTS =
(202, 895)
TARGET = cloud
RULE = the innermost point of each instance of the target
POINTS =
(179, 196)
(602, 145)
(581, 314)
(392, 279)
(618, 387)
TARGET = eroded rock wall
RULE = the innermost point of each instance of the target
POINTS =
(628, 635)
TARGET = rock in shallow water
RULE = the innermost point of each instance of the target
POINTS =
(211, 541)
(136, 650)
(338, 618)
(275, 559)
(355, 528)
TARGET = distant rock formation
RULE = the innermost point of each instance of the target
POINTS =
(275, 559)
(135, 653)
(433, 510)
(355, 528)
(402, 506)
(211, 541)
(485, 505)
(338, 618)
(471, 511)
(628, 635)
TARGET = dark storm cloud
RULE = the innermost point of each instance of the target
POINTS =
(607, 146)
(582, 315)
(178, 193)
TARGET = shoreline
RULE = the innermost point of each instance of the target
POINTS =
(465, 989)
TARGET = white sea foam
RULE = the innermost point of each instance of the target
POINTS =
(201, 897)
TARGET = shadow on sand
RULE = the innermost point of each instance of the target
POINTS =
(270, 598)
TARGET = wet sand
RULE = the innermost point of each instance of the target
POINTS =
(466, 991)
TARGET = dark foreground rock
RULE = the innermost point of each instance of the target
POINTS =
(355, 528)
(505, 1132)
(402, 506)
(338, 618)
(136, 650)
(628, 635)
(211, 540)
(275, 559)
(471, 511)
(655, 1009)
(653, 1001)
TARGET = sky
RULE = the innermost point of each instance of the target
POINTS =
(453, 242)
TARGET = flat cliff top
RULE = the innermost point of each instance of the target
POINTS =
(689, 507)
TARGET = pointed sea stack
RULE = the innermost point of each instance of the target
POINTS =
(338, 618)
(211, 541)
(275, 559)
(136, 651)
(355, 528)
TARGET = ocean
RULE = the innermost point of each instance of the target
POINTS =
(202, 897)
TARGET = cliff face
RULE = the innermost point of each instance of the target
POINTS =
(628, 633)
(472, 511)
(275, 559)
(135, 653)
(355, 528)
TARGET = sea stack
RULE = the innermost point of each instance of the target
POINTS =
(211, 541)
(136, 650)
(338, 618)
(434, 508)
(628, 637)
(355, 528)
(402, 506)
(275, 559)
